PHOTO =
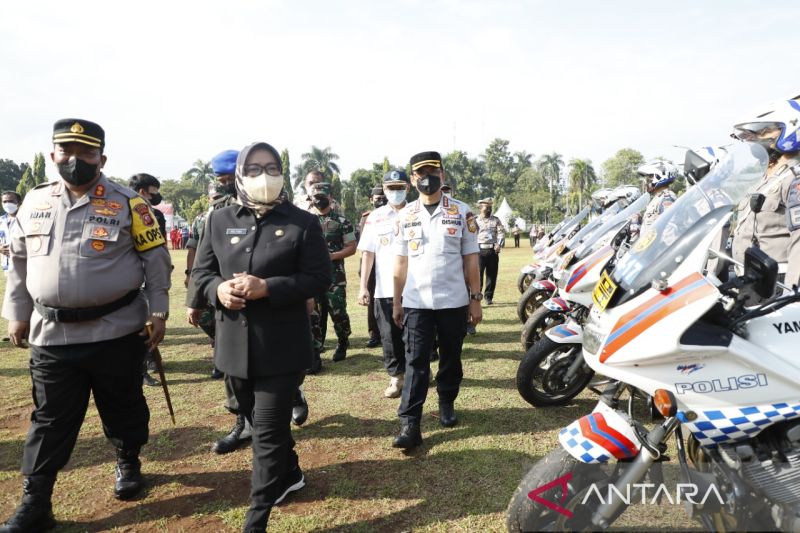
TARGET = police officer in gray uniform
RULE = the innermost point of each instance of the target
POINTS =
(776, 228)
(90, 245)
(658, 176)
(490, 234)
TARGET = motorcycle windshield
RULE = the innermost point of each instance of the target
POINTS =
(588, 231)
(613, 223)
(684, 224)
(577, 219)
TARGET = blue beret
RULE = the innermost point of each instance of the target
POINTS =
(224, 162)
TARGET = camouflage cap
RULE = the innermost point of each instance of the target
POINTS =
(321, 187)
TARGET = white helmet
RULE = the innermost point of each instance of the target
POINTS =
(600, 197)
(629, 193)
(658, 173)
(774, 126)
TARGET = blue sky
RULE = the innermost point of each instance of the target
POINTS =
(172, 82)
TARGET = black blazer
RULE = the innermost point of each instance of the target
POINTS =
(270, 336)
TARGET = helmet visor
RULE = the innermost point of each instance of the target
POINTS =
(758, 132)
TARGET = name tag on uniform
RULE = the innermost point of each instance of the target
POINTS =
(236, 231)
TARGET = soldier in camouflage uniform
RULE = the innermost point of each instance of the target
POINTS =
(341, 239)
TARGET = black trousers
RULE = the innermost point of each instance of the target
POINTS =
(372, 322)
(489, 261)
(63, 377)
(266, 402)
(516, 241)
(420, 327)
(394, 350)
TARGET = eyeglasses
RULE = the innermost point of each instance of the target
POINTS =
(252, 170)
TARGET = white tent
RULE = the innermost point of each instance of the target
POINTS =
(503, 213)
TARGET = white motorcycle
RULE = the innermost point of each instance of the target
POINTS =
(547, 253)
(553, 371)
(719, 361)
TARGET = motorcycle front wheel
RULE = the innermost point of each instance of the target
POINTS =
(525, 514)
(540, 321)
(530, 301)
(523, 281)
(540, 376)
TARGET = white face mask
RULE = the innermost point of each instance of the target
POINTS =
(10, 207)
(263, 188)
(395, 197)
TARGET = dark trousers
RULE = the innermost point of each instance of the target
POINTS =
(63, 377)
(266, 402)
(489, 260)
(372, 323)
(394, 350)
(420, 327)
(516, 241)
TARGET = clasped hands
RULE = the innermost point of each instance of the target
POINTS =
(233, 293)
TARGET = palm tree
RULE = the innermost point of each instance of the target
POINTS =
(550, 166)
(322, 160)
(581, 177)
(201, 174)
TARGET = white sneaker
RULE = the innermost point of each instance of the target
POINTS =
(395, 388)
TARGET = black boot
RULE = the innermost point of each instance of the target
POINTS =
(341, 350)
(409, 437)
(239, 435)
(35, 513)
(128, 473)
(299, 408)
(447, 415)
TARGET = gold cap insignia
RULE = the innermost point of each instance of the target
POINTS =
(76, 128)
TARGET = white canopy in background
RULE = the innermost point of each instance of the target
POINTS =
(503, 213)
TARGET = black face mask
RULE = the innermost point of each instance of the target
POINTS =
(229, 188)
(429, 184)
(321, 202)
(77, 171)
(156, 198)
(488, 212)
(379, 202)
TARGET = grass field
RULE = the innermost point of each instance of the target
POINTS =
(461, 479)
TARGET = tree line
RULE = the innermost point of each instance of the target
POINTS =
(539, 189)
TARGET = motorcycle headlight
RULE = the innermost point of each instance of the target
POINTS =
(592, 338)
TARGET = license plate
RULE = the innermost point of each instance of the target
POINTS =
(603, 292)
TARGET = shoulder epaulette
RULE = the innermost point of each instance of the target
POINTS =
(125, 191)
(46, 185)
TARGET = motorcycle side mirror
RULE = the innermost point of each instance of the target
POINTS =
(695, 167)
(757, 202)
(761, 270)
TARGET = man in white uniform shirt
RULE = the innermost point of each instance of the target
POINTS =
(437, 251)
(377, 249)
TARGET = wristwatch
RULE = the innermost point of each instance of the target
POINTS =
(478, 296)
(162, 316)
